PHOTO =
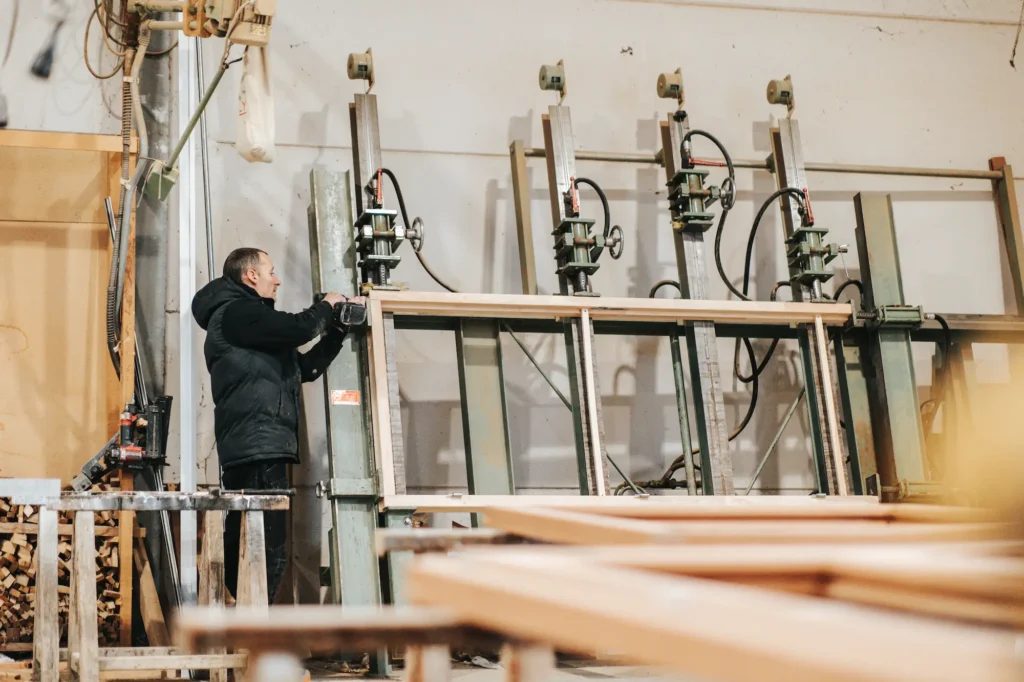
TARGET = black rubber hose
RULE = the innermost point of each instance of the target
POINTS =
(728, 199)
(604, 202)
(664, 283)
(398, 195)
(851, 282)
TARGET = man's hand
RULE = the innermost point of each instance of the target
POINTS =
(334, 298)
(358, 300)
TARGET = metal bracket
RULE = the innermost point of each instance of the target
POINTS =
(904, 490)
(907, 317)
(348, 488)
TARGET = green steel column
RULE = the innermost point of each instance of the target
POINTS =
(398, 561)
(895, 415)
(484, 416)
(856, 408)
(352, 489)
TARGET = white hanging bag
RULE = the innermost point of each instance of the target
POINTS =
(255, 139)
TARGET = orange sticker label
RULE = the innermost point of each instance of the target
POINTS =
(344, 397)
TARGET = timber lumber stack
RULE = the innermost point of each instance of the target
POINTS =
(18, 532)
(741, 589)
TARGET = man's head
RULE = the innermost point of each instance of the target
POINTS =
(252, 268)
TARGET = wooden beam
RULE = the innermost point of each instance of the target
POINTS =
(110, 532)
(517, 306)
(125, 550)
(174, 662)
(708, 630)
(381, 413)
(941, 580)
(319, 628)
(574, 528)
(149, 600)
(70, 141)
(434, 539)
(524, 223)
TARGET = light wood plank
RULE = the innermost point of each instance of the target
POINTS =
(527, 662)
(376, 351)
(173, 662)
(637, 309)
(149, 601)
(211, 574)
(574, 528)
(84, 599)
(709, 630)
(318, 628)
(68, 141)
(432, 663)
(46, 634)
(125, 526)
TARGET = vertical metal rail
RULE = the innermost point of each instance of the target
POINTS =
(896, 418)
(186, 331)
(701, 339)
(366, 159)
(590, 456)
(684, 416)
(352, 489)
(787, 155)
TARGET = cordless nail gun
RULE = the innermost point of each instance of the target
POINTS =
(346, 313)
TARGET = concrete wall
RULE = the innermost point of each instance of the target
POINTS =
(911, 82)
(457, 82)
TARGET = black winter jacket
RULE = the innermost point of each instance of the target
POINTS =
(256, 370)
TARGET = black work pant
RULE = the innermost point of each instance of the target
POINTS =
(265, 475)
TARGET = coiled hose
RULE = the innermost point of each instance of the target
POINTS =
(126, 144)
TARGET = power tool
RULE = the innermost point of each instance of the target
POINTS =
(346, 313)
(140, 443)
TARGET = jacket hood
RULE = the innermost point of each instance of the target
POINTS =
(217, 293)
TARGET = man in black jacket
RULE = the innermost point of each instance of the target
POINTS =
(256, 372)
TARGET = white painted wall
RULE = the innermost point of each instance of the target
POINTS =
(909, 82)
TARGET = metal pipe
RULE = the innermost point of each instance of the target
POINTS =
(166, 25)
(775, 441)
(161, 5)
(684, 417)
(752, 164)
(205, 156)
(195, 118)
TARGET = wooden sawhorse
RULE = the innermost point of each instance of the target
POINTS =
(84, 656)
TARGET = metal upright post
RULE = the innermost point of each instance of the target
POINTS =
(896, 418)
(701, 339)
(374, 246)
(787, 157)
(352, 490)
(561, 163)
(478, 346)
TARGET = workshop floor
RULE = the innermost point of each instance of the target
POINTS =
(619, 673)
(323, 671)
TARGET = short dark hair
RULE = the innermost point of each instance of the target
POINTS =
(240, 260)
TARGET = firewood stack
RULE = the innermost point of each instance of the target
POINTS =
(18, 528)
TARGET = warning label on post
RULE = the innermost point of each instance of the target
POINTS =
(344, 397)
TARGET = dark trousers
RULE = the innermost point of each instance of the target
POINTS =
(265, 475)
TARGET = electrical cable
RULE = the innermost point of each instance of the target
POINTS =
(604, 202)
(85, 54)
